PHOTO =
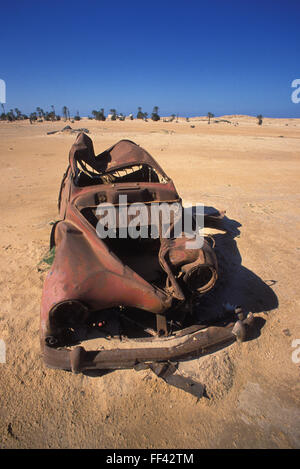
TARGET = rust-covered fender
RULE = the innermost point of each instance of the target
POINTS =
(85, 270)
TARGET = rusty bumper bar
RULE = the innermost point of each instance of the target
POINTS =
(198, 343)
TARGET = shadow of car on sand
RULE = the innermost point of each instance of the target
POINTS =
(236, 284)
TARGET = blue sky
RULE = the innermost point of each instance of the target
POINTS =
(226, 57)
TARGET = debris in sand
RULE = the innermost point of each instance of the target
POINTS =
(69, 130)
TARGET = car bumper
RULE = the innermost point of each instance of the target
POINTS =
(190, 345)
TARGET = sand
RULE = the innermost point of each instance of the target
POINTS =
(252, 388)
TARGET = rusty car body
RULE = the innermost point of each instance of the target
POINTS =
(138, 291)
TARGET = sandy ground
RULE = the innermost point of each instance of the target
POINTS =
(253, 388)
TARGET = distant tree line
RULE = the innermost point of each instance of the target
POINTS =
(114, 115)
(39, 115)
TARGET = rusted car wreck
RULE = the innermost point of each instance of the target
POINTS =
(140, 292)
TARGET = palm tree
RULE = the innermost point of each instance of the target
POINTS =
(260, 119)
(114, 114)
(210, 115)
(32, 117)
(155, 116)
(65, 112)
(3, 115)
(77, 117)
(99, 115)
(53, 112)
(18, 113)
(10, 116)
(102, 116)
(140, 114)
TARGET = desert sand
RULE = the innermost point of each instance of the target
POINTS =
(253, 388)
